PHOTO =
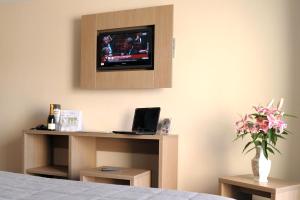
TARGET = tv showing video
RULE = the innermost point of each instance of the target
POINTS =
(121, 49)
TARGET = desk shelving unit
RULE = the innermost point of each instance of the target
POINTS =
(65, 154)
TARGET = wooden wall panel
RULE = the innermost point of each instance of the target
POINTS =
(125, 79)
(88, 52)
(163, 46)
(161, 77)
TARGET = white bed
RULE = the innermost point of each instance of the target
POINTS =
(25, 187)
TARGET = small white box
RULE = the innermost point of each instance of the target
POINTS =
(70, 120)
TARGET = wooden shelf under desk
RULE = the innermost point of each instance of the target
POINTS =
(123, 176)
(58, 171)
(85, 150)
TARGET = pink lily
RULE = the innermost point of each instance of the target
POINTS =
(242, 124)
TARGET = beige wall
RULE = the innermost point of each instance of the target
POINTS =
(230, 55)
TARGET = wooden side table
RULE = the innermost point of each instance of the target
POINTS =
(244, 186)
(120, 176)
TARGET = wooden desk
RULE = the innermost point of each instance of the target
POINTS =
(244, 186)
(64, 154)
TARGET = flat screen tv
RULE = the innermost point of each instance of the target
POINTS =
(125, 49)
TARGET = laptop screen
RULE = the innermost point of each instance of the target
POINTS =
(145, 119)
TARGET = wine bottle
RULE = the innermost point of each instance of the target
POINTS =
(56, 113)
(51, 119)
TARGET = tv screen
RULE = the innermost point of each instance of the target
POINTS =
(130, 48)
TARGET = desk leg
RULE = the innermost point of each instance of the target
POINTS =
(228, 190)
(275, 196)
(287, 195)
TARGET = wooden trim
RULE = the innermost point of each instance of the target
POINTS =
(128, 145)
(100, 134)
(274, 185)
(82, 153)
(122, 173)
(244, 186)
(168, 162)
(163, 47)
(88, 52)
(59, 171)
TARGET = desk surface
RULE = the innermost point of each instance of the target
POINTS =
(100, 134)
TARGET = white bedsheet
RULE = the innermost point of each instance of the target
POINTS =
(24, 187)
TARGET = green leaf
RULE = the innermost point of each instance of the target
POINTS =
(287, 131)
(270, 150)
(239, 136)
(280, 136)
(272, 136)
(255, 114)
(264, 147)
(247, 145)
(289, 115)
(273, 147)
(254, 137)
(250, 150)
(260, 136)
(257, 143)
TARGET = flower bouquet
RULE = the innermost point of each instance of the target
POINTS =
(265, 126)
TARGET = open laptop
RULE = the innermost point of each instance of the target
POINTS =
(144, 122)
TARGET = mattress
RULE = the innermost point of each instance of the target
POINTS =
(26, 187)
